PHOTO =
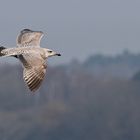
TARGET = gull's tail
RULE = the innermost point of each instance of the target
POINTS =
(2, 48)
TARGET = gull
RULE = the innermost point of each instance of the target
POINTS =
(31, 55)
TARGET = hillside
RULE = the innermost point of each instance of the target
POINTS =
(73, 102)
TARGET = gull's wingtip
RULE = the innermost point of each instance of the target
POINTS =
(2, 48)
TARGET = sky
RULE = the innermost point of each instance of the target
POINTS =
(75, 28)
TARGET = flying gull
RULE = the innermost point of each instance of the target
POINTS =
(32, 57)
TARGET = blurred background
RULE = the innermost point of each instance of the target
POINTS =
(93, 90)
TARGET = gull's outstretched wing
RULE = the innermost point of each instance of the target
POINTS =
(34, 70)
(28, 37)
(19, 51)
(34, 77)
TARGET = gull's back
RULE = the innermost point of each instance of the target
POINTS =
(34, 65)
(29, 38)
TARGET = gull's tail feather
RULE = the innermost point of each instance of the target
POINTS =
(2, 48)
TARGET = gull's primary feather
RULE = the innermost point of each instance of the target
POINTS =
(34, 77)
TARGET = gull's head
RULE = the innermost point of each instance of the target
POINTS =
(49, 53)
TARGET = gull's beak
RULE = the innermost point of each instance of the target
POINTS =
(58, 54)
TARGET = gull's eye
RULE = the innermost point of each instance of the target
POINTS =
(49, 51)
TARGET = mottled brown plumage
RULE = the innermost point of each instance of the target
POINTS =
(32, 57)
